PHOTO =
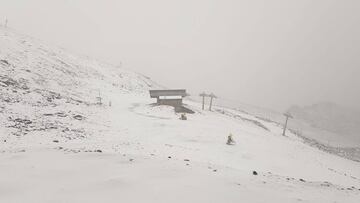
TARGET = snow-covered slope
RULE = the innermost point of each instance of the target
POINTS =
(58, 145)
(325, 126)
(332, 123)
(45, 89)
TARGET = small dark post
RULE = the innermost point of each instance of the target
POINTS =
(6, 22)
(99, 99)
(287, 115)
(212, 96)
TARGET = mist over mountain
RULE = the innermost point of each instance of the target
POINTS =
(330, 116)
(75, 129)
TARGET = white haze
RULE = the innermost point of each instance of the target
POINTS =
(267, 53)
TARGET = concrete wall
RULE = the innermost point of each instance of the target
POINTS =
(170, 102)
(176, 103)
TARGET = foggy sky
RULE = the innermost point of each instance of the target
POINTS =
(271, 53)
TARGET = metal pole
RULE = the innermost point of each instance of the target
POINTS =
(212, 96)
(287, 115)
(285, 125)
(203, 102)
(203, 95)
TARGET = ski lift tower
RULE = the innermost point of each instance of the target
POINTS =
(203, 95)
(212, 96)
(287, 115)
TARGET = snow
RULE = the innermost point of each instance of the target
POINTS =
(329, 123)
(58, 145)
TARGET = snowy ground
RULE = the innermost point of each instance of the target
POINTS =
(58, 145)
(148, 154)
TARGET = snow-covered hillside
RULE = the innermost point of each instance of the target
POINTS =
(59, 145)
(334, 123)
(325, 126)
(45, 89)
